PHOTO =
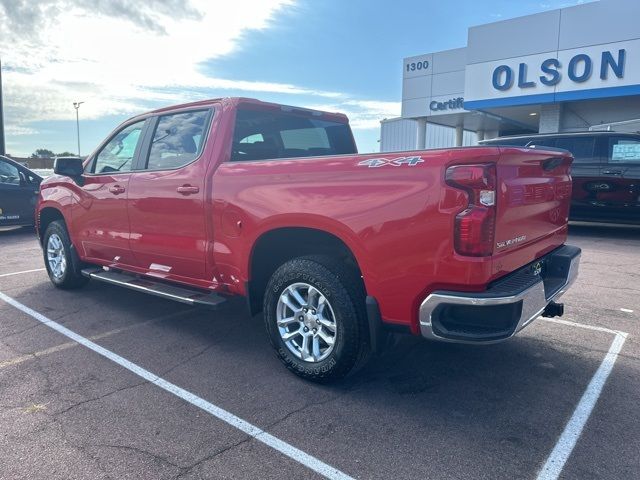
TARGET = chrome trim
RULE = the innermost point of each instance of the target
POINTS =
(170, 292)
(533, 300)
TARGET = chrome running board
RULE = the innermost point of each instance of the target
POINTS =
(153, 287)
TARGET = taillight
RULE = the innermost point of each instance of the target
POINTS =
(474, 229)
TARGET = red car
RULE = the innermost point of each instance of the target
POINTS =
(240, 197)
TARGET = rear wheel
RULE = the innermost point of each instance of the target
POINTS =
(315, 317)
(61, 261)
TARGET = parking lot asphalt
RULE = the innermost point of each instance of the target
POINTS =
(420, 410)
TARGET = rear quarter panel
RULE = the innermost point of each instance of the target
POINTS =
(397, 220)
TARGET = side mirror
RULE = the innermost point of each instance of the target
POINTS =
(68, 166)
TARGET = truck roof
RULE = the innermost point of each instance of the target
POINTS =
(255, 103)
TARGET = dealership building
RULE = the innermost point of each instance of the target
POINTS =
(566, 70)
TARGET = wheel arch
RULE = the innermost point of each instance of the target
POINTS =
(46, 215)
(275, 246)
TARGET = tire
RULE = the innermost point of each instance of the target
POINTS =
(341, 319)
(60, 258)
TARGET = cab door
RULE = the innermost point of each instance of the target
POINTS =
(100, 220)
(166, 197)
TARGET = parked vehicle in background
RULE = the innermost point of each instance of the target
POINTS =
(19, 189)
(240, 197)
(605, 172)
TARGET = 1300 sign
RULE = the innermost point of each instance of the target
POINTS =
(413, 66)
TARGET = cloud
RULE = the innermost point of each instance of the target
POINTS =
(123, 56)
(15, 130)
(363, 114)
(31, 17)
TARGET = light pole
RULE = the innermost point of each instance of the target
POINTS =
(76, 105)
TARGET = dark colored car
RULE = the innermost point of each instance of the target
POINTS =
(606, 172)
(19, 189)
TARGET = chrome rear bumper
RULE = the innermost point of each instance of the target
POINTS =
(509, 305)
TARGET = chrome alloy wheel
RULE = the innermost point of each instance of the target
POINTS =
(306, 322)
(56, 256)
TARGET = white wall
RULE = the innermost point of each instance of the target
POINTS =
(400, 134)
(439, 136)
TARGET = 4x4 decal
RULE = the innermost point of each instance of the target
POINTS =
(396, 162)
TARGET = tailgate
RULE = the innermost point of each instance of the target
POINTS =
(533, 198)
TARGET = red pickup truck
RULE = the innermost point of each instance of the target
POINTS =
(240, 197)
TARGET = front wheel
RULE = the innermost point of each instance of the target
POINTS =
(62, 263)
(315, 317)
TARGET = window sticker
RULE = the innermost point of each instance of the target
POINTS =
(626, 152)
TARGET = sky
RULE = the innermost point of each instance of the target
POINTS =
(125, 57)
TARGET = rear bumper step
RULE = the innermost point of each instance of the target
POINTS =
(153, 287)
(508, 305)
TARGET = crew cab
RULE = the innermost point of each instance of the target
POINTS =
(235, 196)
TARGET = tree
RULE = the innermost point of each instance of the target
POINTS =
(43, 153)
(66, 154)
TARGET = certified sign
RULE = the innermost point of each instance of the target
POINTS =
(452, 104)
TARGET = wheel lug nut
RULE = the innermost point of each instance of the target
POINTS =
(313, 312)
(305, 310)
(301, 318)
(315, 330)
(306, 329)
(318, 321)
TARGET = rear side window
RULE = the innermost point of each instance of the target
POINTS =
(178, 140)
(580, 147)
(264, 135)
(624, 150)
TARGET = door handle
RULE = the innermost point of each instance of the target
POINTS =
(187, 189)
(612, 172)
(116, 189)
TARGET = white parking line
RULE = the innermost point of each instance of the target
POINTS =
(283, 447)
(23, 271)
(572, 431)
(583, 325)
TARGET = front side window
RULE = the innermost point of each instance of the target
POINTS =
(269, 134)
(117, 155)
(178, 140)
(580, 147)
(9, 174)
(624, 150)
